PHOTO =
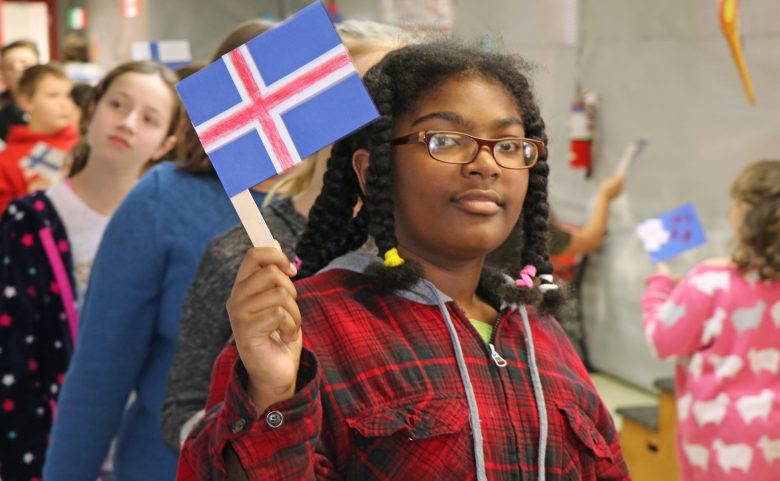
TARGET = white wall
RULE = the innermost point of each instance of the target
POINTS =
(664, 72)
(113, 34)
(26, 21)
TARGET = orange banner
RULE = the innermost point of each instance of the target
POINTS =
(729, 23)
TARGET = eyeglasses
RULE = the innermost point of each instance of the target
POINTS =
(460, 148)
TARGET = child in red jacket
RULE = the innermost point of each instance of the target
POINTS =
(44, 93)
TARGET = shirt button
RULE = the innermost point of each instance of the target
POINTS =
(238, 426)
(274, 419)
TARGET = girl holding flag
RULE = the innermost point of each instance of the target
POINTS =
(421, 363)
(204, 327)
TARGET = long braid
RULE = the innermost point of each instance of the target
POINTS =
(536, 249)
(531, 245)
(379, 178)
(351, 232)
(357, 230)
(323, 239)
(379, 204)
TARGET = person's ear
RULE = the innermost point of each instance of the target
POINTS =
(360, 162)
(164, 147)
(24, 102)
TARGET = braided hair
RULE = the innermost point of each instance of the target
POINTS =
(398, 84)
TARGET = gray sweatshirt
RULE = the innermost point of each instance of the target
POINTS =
(204, 327)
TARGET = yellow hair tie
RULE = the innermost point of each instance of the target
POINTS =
(392, 259)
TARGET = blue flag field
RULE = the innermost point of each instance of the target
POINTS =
(672, 233)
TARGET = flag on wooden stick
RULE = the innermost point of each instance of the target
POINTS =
(273, 101)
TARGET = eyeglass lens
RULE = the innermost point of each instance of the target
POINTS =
(460, 149)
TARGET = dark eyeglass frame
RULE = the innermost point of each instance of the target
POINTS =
(425, 136)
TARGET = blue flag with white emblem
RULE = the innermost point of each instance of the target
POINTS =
(671, 233)
(275, 100)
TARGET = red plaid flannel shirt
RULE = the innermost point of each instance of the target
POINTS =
(383, 399)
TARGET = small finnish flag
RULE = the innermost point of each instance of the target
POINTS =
(45, 161)
(172, 53)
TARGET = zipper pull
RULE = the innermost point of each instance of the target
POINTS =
(500, 361)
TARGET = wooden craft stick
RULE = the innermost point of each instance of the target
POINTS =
(252, 219)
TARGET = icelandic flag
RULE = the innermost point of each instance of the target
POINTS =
(672, 233)
(45, 161)
(171, 53)
(277, 99)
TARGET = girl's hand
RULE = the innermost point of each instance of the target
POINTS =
(35, 181)
(663, 269)
(266, 323)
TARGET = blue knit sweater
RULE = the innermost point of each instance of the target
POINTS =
(129, 326)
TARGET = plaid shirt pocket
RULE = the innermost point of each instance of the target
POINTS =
(420, 437)
(591, 457)
(586, 432)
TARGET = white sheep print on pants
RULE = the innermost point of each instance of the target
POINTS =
(723, 327)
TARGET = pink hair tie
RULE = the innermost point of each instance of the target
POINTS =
(526, 278)
(297, 263)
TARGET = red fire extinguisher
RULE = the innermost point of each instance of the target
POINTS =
(581, 128)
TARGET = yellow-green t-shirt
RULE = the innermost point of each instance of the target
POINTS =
(484, 329)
